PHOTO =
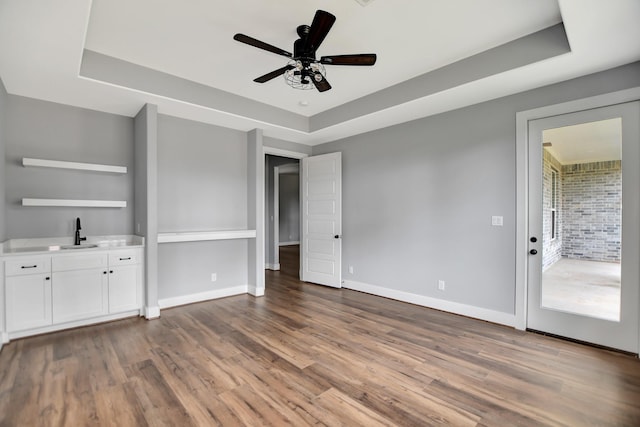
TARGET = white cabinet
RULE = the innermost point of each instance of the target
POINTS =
(125, 281)
(28, 293)
(79, 294)
(79, 286)
(52, 292)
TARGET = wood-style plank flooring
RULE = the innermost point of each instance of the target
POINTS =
(309, 355)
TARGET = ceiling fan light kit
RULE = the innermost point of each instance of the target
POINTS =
(300, 77)
(303, 71)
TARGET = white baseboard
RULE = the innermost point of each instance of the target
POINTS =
(201, 296)
(151, 312)
(256, 292)
(438, 304)
(4, 339)
(289, 243)
(275, 267)
(72, 324)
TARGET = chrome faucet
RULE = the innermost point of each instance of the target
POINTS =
(78, 228)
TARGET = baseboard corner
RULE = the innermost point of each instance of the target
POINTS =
(255, 291)
(151, 312)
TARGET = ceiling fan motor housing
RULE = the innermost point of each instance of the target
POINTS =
(302, 49)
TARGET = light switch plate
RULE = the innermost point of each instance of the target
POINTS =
(497, 221)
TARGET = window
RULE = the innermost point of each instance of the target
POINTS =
(554, 203)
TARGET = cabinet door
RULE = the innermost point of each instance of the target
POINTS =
(28, 301)
(124, 288)
(79, 294)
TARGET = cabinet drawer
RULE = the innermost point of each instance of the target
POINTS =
(124, 258)
(79, 262)
(19, 267)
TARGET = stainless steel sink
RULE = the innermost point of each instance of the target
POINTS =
(89, 246)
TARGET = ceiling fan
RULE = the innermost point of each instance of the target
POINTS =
(304, 71)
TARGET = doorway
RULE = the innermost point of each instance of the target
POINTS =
(583, 275)
(320, 210)
(280, 225)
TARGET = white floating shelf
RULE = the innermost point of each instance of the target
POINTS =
(26, 161)
(76, 203)
(198, 236)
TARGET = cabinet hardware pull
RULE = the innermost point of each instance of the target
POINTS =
(111, 271)
(104, 272)
(125, 259)
(29, 266)
(47, 278)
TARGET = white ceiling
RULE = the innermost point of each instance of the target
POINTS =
(42, 45)
(585, 143)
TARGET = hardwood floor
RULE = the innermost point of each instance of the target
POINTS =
(311, 355)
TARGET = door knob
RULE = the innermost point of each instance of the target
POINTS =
(337, 236)
(534, 239)
(533, 251)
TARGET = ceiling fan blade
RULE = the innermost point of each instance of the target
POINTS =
(322, 85)
(360, 59)
(272, 75)
(322, 23)
(261, 45)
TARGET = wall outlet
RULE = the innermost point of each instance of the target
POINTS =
(214, 277)
(497, 221)
(351, 269)
(441, 285)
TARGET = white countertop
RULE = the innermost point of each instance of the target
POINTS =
(48, 245)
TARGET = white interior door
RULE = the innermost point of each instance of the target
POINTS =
(320, 246)
(568, 225)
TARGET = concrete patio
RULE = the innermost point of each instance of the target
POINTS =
(588, 288)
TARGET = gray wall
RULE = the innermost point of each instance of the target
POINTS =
(185, 268)
(3, 114)
(289, 212)
(47, 130)
(202, 176)
(418, 197)
(202, 185)
(146, 199)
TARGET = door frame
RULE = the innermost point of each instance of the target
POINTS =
(295, 155)
(522, 181)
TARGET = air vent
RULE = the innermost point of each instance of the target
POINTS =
(364, 2)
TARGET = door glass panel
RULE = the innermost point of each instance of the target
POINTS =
(582, 219)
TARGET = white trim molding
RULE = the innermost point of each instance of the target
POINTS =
(283, 153)
(297, 242)
(435, 303)
(201, 296)
(72, 324)
(522, 175)
(151, 312)
(255, 291)
(274, 267)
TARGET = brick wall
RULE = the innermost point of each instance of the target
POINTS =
(591, 211)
